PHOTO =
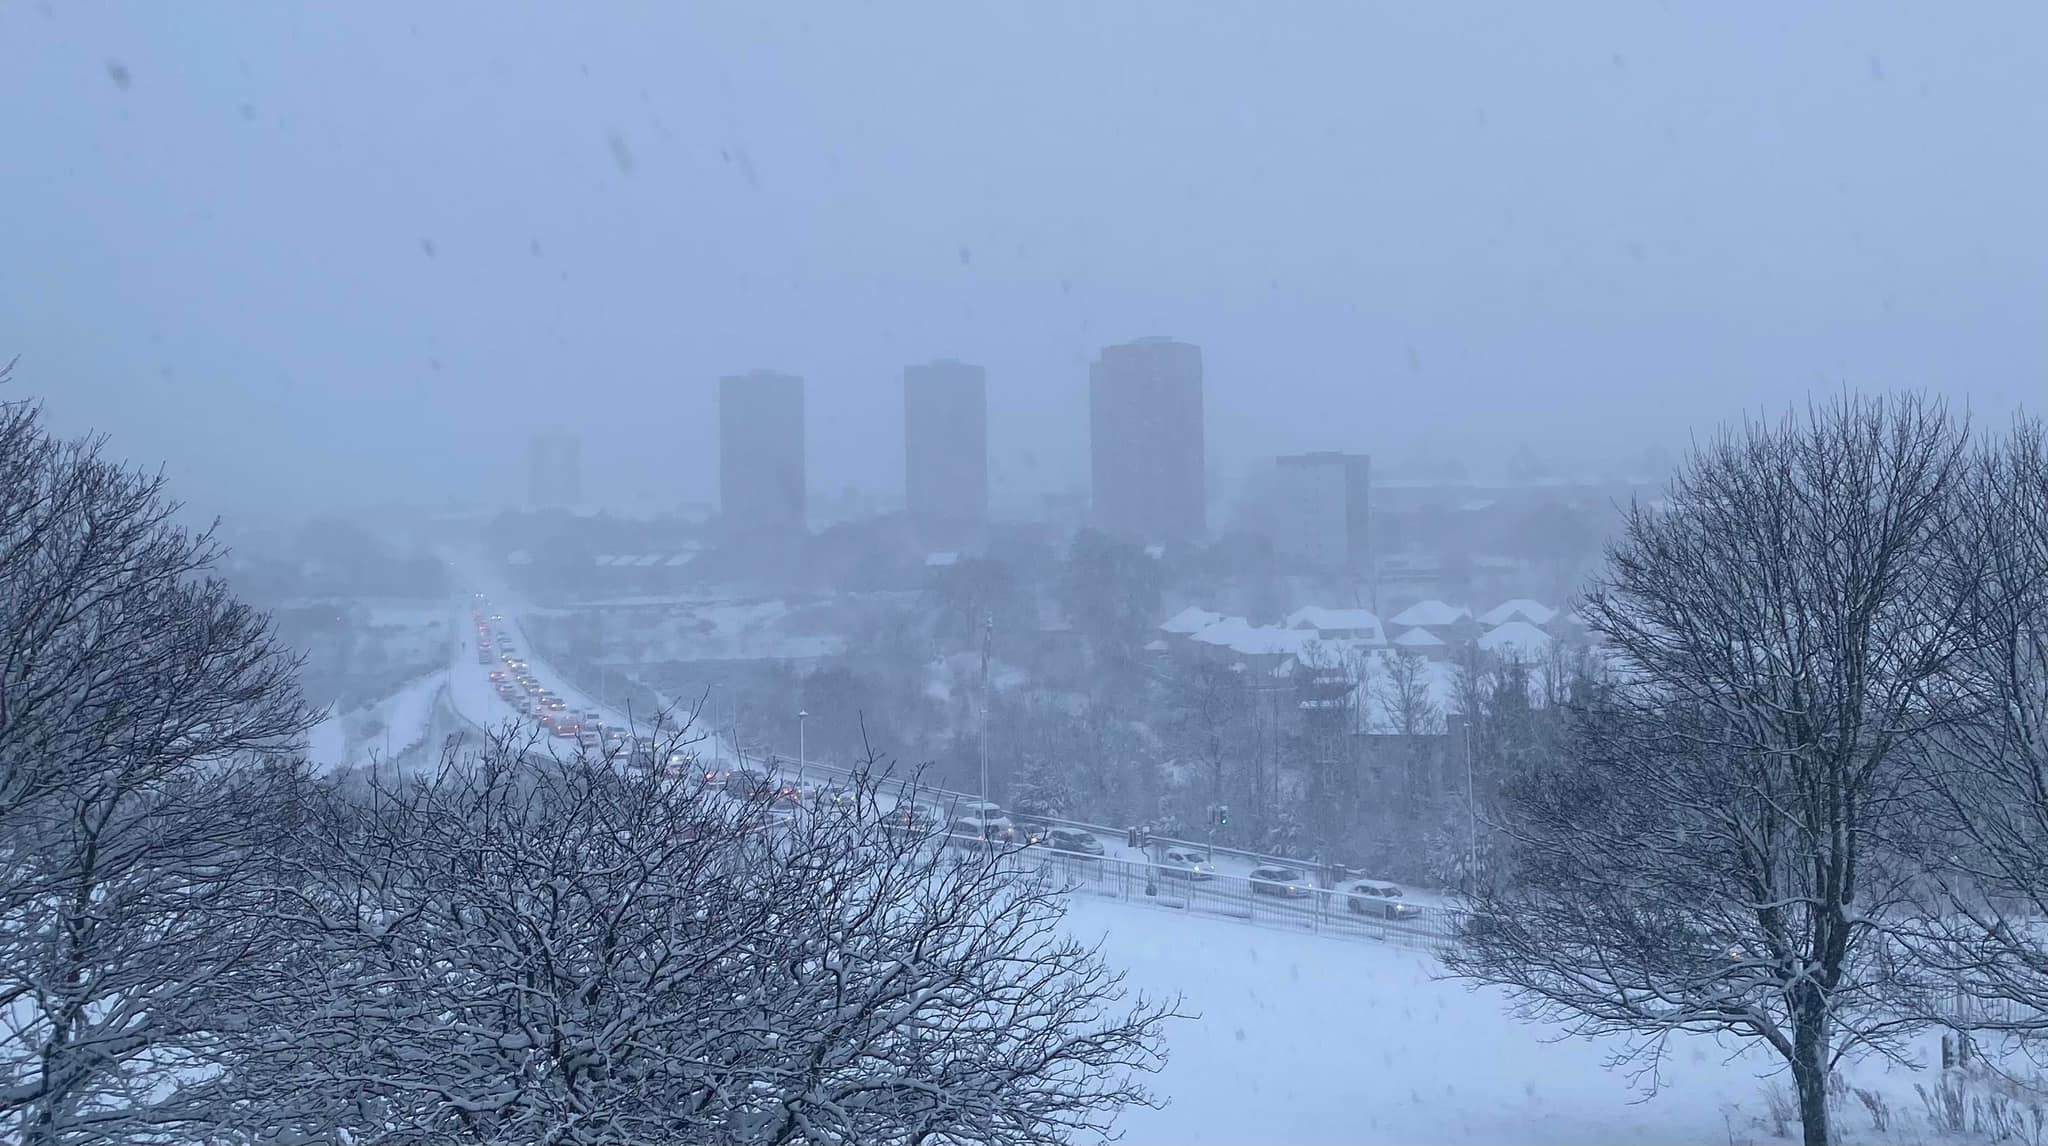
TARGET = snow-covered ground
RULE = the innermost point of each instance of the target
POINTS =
(388, 729)
(1306, 1040)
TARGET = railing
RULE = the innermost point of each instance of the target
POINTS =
(1315, 911)
(788, 767)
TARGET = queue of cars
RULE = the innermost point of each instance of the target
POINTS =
(516, 685)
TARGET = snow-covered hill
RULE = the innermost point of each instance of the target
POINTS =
(1305, 1040)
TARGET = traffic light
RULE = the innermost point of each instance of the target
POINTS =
(1223, 815)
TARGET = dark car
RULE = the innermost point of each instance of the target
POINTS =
(1373, 899)
(831, 795)
(746, 784)
(1072, 840)
(912, 817)
(1285, 882)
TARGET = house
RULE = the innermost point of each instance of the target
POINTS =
(1339, 624)
(1190, 621)
(1517, 637)
(1423, 643)
(1259, 648)
(1430, 614)
(1519, 609)
(1450, 624)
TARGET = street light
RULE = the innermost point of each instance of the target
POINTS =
(800, 714)
(988, 635)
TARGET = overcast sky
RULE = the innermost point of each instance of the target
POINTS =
(331, 257)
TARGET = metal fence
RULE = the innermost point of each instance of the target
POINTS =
(1316, 912)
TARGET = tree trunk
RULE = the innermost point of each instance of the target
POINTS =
(1809, 1065)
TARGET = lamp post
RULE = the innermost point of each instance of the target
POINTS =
(800, 714)
(988, 633)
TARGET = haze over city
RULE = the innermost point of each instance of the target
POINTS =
(278, 246)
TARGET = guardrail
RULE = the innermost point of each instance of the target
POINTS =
(1315, 911)
(788, 766)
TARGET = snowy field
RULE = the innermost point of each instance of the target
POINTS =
(1307, 1040)
(388, 729)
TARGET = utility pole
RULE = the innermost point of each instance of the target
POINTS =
(988, 636)
(800, 714)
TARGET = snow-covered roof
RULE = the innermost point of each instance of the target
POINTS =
(1431, 612)
(1192, 619)
(1515, 634)
(940, 560)
(1360, 621)
(1419, 639)
(680, 559)
(1156, 646)
(1241, 636)
(1519, 609)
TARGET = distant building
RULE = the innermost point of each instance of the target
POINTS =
(945, 442)
(554, 470)
(1321, 510)
(761, 453)
(1146, 440)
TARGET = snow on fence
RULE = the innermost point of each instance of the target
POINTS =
(1314, 910)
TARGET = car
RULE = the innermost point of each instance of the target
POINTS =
(589, 738)
(516, 664)
(993, 829)
(592, 717)
(497, 676)
(982, 809)
(555, 702)
(1186, 863)
(968, 832)
(1372, 899)
(1283, 882)
(565, 729)
(746, 784)
(1072, 840)
(483, 658)
(830, 795)
(911, 816)
(497, 616)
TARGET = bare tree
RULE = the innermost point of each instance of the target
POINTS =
(527, 950)
(1978, 936)
(137, 702)
(1725, 849)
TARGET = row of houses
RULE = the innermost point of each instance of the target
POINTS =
(1431, 629)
